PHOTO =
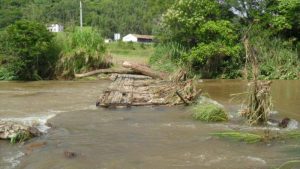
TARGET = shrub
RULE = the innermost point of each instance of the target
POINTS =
(27, 45)
(5, 74)
(209, 113)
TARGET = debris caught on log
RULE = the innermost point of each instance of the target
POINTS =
(138, 90)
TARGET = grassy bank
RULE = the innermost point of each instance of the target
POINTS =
(133, 52)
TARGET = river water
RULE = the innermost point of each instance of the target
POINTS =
(144, 137)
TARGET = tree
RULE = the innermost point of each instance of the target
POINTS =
(28, 46)
(217, 48)
(184, 18)
(203, 26)
(286, 18)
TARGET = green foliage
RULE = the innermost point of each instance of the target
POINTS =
(287, 18)
(244, 137)
(82, 50)
(27, 46)
(167, 57)
(184, 18)
(11, 11)
(20, 137)
(203, 27)
(125, 16)
(5, 74)
(218, 45)
(209, 113)
(279, 59)
(110, 16)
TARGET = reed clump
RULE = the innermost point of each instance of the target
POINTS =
(209, 112)
(81, 51)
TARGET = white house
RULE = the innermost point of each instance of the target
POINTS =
(138, 38)
(117, 36)
(55, 28)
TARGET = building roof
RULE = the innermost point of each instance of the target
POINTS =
(144, 36)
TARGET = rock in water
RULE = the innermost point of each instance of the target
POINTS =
(70, 155)
(10, 130)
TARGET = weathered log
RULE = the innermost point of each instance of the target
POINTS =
(106, 71)
(131, 76)
(144, 70)
(181, 97)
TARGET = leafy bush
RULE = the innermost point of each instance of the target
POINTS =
(219, 44)
(82, 51)
(209, 113)
(5, 74)
(26, 46)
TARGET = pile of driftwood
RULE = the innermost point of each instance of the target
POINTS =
(148, 89)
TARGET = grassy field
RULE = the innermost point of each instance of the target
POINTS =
(133, 52)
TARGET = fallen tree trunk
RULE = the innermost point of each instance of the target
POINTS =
(105, 71)
(144, 70)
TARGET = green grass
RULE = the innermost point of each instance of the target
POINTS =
(167, 57)
(209, 113)
(239, 136)
(20, 137)
(251, 138)
(132, 52)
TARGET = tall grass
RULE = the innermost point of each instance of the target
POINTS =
(81, 51)
(278, 58)
(167, 57)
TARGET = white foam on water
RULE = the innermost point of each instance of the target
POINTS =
(179, 125)
(242, 127)
(39, 122)
(214, 161)
(292, 125)
(13, 160)
(208, 100)
(256, 159)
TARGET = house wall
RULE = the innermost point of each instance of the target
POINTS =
(130, 38)
(55, 28)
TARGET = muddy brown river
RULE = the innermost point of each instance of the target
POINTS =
(136, 138)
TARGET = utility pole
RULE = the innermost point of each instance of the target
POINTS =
(80, 14)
